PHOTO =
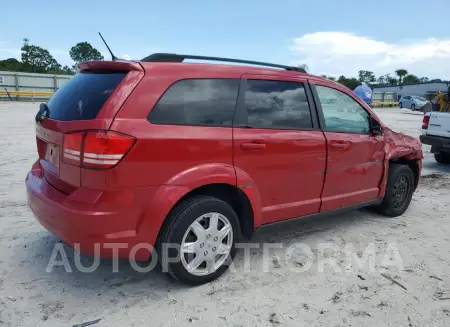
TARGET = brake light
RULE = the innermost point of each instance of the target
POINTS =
(96, 149)
(72, 148)
(425, 122)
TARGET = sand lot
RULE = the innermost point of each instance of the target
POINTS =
(282, 296)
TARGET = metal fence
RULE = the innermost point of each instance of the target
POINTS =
(382, 99)
(28, 86)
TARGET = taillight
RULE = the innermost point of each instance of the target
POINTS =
(425, 122)
(72, 148)
(96, 149)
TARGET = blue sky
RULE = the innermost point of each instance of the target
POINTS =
(332, 37)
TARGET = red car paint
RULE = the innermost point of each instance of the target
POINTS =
(283, 173)
(399, 145)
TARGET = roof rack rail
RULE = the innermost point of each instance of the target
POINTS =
(172, 57)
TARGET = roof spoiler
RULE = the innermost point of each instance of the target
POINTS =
(172, 57)
(118, 65)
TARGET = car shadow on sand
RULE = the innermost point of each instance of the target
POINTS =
(107, 281)
(111, 280)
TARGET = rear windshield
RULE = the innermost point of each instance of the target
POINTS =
(82, 97)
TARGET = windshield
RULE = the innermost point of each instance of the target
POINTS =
(419, 98)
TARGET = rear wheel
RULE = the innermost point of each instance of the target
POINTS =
(399, 190)
(413, 107)
(400, 105)
(442, 157)
(197, 244)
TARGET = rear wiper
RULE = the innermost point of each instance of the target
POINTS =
(43, 112)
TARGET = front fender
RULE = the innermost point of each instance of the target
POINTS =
(398, 146)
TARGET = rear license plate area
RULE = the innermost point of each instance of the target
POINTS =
(52, 154)
(51, 158)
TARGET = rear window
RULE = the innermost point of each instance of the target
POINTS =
(82, 97)
(200, 102)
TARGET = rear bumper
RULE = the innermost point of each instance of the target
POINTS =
(438, 143)
(88, 226)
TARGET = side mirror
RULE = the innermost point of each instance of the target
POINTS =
(375, 126)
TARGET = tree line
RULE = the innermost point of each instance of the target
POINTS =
(35, 59)
(401, 77)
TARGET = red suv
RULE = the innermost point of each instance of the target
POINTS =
(140, 154)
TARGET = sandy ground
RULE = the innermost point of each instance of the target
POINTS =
(361, 296)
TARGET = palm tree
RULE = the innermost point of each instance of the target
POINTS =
(400, 73)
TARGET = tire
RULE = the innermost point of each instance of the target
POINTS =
(400, 105)
(178, 228)
(413, 107)
(399, 191)
(442, 157)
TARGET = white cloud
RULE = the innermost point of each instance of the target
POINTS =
(340, 53)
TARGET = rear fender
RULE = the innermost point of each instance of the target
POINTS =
(246, 184)
(168, 195)
(204, 174)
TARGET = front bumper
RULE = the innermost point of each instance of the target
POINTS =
(437, 143)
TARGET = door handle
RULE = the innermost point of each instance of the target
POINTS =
(340, 145)
(253, 146)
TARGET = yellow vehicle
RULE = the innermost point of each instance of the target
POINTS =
(443, 101)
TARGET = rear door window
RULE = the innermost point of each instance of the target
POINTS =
(200, 102)
(277, 104)
(82, 97)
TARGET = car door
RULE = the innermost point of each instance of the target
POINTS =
(278, 144)
(407, 102)
(355, 155)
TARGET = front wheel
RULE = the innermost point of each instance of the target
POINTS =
(399, 190)
(442, 157)
(198, 241)
(413, 107)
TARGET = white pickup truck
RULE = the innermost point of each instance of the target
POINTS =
(436, 132)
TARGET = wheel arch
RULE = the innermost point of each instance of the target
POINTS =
(230, 194)
(411, 163)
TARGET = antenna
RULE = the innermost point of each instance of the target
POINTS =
(113, 57)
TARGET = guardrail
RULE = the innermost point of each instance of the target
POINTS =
(33, 95)
(26, 94)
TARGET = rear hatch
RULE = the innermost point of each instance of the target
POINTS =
(439, 124)
(83, 107)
